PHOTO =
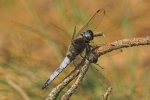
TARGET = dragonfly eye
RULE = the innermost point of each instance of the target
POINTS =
(88, 35)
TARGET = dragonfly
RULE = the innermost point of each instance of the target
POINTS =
(79, 42)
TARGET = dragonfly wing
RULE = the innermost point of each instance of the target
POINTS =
(97, 72)
(77, 61)
(94, 22)
(63, 65)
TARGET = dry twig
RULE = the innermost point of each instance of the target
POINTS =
(105, 96)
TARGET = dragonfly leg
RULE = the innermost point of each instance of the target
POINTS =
(81, 56)
(74, 32)
(99, 66)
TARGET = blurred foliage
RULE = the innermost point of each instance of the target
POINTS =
(34, 37)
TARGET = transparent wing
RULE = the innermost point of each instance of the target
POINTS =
(97, 72)
(94, 22)
(77, 61)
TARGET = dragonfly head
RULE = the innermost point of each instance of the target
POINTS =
(88, 35)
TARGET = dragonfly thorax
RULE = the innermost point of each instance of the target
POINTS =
(88, 35)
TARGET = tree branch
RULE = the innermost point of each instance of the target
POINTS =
(125, 43)
(83, 71)
(105, 96)
(100, 50)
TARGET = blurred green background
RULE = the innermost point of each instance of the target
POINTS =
(34, 37)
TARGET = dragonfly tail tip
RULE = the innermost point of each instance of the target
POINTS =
(43, 87)
(46, 84)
